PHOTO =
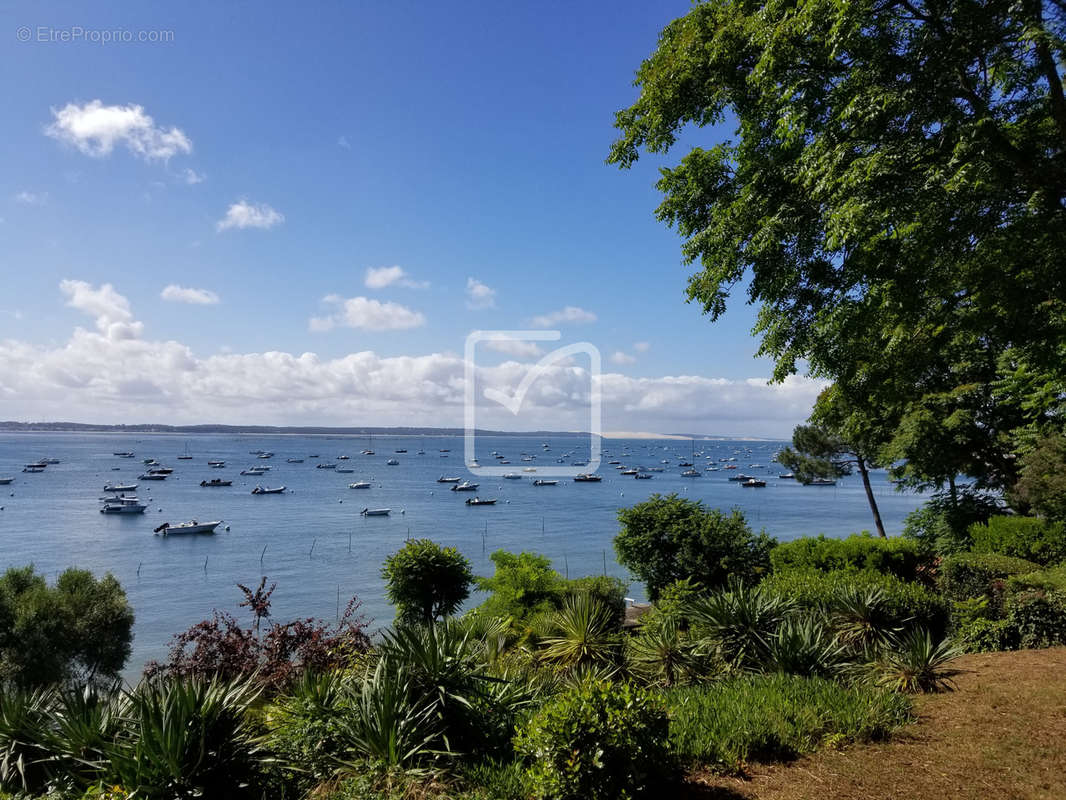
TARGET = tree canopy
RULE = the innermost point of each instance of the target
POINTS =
(894, 197)
(426, 581)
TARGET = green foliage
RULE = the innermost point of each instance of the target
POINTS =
(664, 654)
(804, 646)
(942, 526)
(584, 633)
(862, 618)
(897, 556)
(1031, 538)
(666, 539)
(901, 603)
(741, 622)
(597, 741)
(24, 733)
(728, 724)
(917, 662)
(79, 630)
(982, 635)
(187, 738)
(1041, 484)
(523, 585)
(969, 575)
(1037, 618)
(1050, 579)
(426, 581)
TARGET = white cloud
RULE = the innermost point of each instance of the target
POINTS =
(342, 141)
(179, 294)
(514, 347)
(112, 311)
(618, 357)
(31, 198)
(192, 177)
(380, 277)
(366, 314)
(95, 129)
(642, 347)
(570, 314)
(243, 214)
(478, 295)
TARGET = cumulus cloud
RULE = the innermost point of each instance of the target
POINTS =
(642, 347)
(380, 277)
(31, 198)
(570, 314)
(179, 294)
(619, 357)
(243, 214)
(514, 347)
(366, 314)
(95, 129)
(192, 177)
(478, 295)
(114, 373)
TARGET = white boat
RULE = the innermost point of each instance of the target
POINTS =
(254, 471)
(166, 529)
(5, 481)
(123, 454)
(392, 462)
(375, 512)
(465, 486)
(152, 476)
(822, 482)
(543, 482)
(444, 479)
(512, 476)
(263, 490)
(121, 487)
(359, 485)
(788, 476)
(160, 471)
(325, 466)
(216, 462)
(642, 476)
(267, 454)
(345, 469)
(32, 469)
(294, 461)
(37, 465)
(343, 458)
(123, 504)
(753, 483)
(49, 460)
(216, 482)
(477, 501)
(587, 477)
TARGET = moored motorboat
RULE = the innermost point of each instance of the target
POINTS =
(254, 471)
(544, 482)
(152, 476)
(123, 454)
(123, 504)
(512, 476)
(359, 485)
(444, 479)
(822, 482)
(691, 473)
(294, 461)
(375, 512)
(5, 481)
(216, 462)
(325, 466)
(643, 476)
(166, 529)
(345, 469)
(392, 462)
(477, 501)
(32, 469)
(788, 476)
(465, 486)
(49, 460)
(121, 487)
(264, 490)
(216, 482)
(753, 483)
(587, 477)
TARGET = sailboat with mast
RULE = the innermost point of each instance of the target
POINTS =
(369, 445)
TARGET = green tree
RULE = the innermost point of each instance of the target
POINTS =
(894, 198)
(426, 581)
(1042, 483)
(666, 539)
(78, 631)
(524, 584)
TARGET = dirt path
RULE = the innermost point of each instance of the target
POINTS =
(1001, 735)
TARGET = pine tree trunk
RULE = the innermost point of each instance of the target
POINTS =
(870, 497)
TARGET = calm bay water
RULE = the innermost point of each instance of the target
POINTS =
(312, 540)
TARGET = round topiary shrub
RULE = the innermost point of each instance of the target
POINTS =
(600, 740)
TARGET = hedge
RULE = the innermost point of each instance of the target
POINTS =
(897, 556)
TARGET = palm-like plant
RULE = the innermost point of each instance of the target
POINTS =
(916, 662)
(740, 622)
(804, 646)
(862, 618)
(584, 632)
(24, 733)
(85, 724)
(663, 654)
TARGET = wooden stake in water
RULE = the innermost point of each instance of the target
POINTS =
(139, 568)
(566, 566)
(205, 563)
(349, 541)
(309, 552)
(262, 554)
(605, 563)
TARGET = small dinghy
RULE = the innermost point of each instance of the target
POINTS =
(375, 512)
(216, 482)
(359, 485)
(477, 501)
(543, 482)
(166, 529)
(263, 490)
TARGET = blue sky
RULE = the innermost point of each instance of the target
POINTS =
(455, 141)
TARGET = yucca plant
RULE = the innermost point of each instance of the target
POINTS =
(861, 617)
(385, 723)
(916, 662)
(804, 646)
(740, 622)
(584, 632)
(85, 724)
(663, 654)
(187, 738)
(25, 730)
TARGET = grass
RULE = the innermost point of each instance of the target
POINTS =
(999, 735)
(724, 726)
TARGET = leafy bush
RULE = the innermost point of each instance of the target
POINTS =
(1033, 539)
(901, 603)
(665, 539)
(917, 662)
(1041, 484)
(426, 581)
(726, 724)
(1037, 618)
(941, 526)
(584, 633)
(741, 622)
(664, 654)
(804, 646)
(968, 575)
(903, 558)
(598, 740)
(982, 635)
(1051, 579)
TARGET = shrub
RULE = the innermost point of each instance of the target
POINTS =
(665, 539)
(1030, 538)
(981, 635)
(741, 622)
(804, 646)
(664, 654)
(903, 558)
(941, 526)
(1037, 618)
(726, 724)
(583, 634)
(1041, 484)
(902, 603)
(917, 662)
(968, 575)
(598, 740)
(1052, 579)
(426, 581)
